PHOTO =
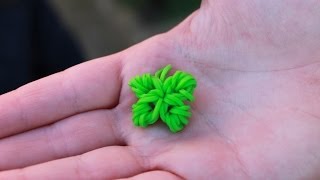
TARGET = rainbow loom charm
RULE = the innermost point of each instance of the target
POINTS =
(163, 97)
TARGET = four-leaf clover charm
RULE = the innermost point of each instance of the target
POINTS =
(162, 97)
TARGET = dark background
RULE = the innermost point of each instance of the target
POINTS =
(41, 37)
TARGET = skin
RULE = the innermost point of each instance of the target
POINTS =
(256, 114)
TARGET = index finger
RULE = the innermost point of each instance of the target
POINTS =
(92, 85)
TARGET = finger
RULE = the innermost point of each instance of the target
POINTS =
(106, 163)
(155, 175)
(73, 136)
(88, 86)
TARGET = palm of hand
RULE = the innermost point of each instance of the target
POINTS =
(252, 121)
(245, 124)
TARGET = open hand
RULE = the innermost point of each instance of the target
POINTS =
(256, 114)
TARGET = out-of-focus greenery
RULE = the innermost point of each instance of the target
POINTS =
(153, 11)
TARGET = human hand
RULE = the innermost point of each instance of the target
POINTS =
(255, 115)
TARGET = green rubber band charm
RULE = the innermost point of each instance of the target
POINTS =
(163, 97)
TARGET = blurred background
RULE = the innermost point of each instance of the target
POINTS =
(41, 37)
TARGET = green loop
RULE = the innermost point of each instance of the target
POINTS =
(173, 99)
(148, 98)
(156, 111)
